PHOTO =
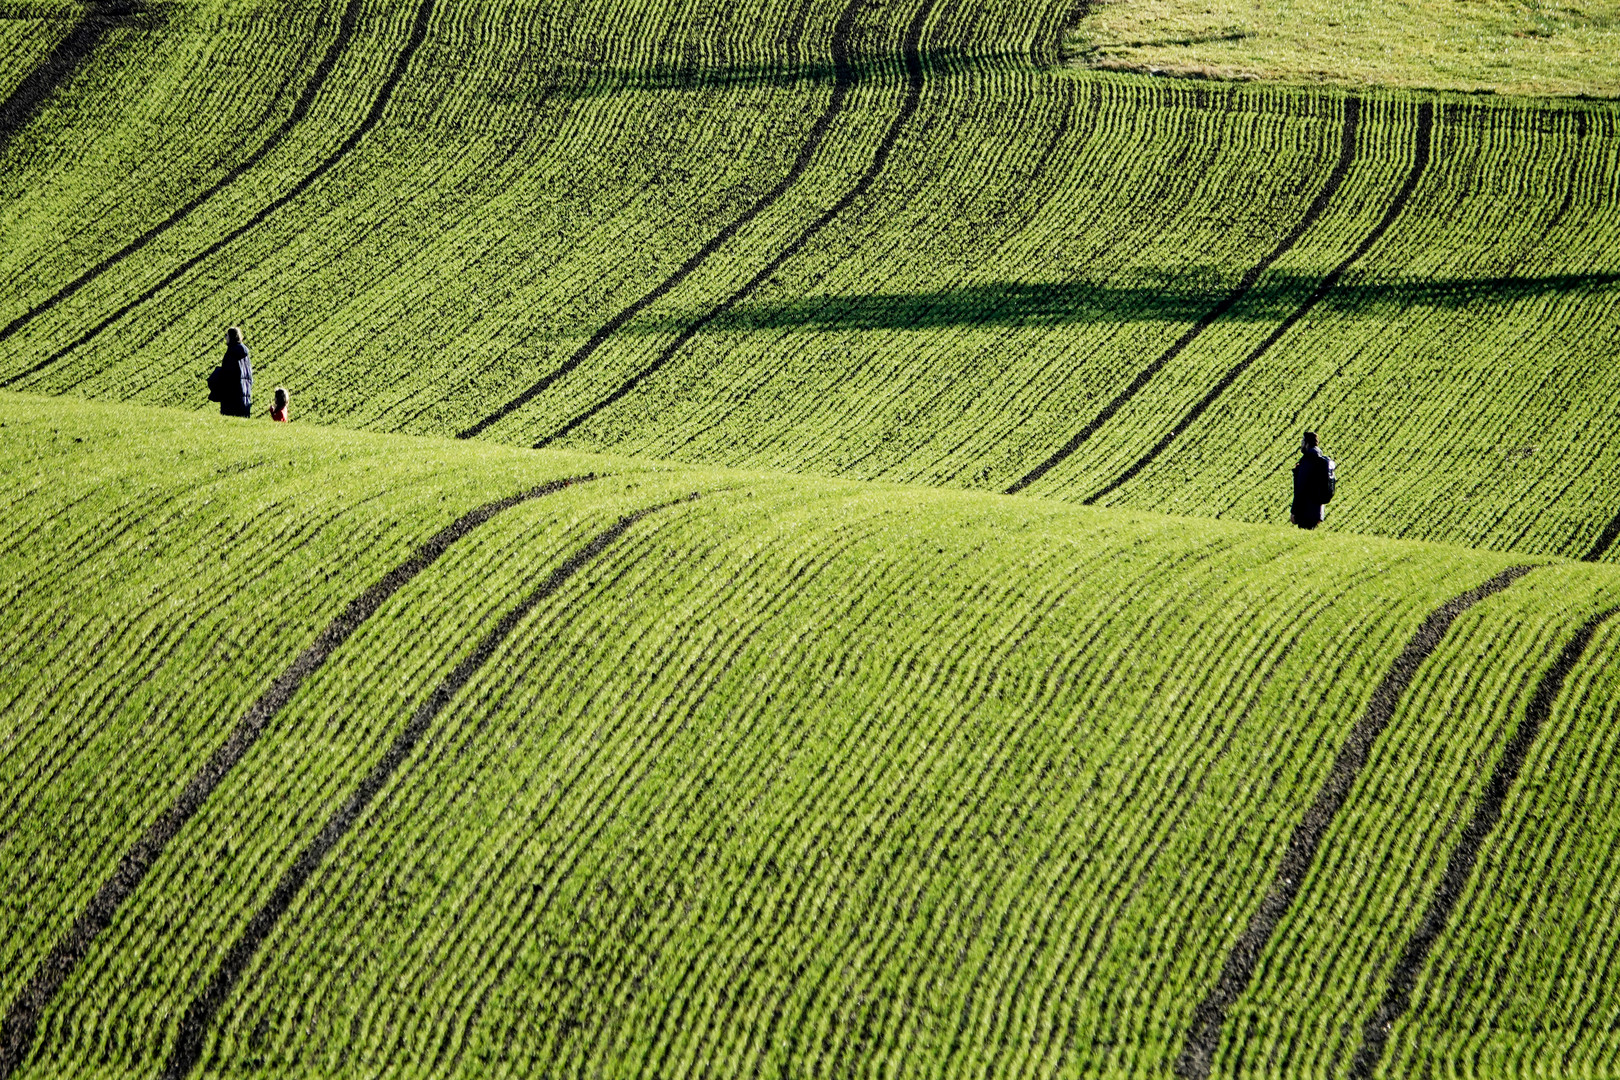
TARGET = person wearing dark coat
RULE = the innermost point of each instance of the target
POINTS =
(1314, 484)
(231, 384)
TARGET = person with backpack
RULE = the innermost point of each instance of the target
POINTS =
(1315, 480)
(231, 384)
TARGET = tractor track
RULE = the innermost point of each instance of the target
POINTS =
(1198, 1055)
(1460, 866)
(300, 109)
(22, 1018)
(844, 79)
(198, 1016)
(1420, 163)
(418, 35)
(1341, 169)
(1100, 934)
(39, 85)
(1605, 540)
(912, 50)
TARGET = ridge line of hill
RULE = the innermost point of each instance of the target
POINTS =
(1318, 206)
(1420, 163)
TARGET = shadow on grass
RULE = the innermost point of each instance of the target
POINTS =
(1180, 300)
(585, 80)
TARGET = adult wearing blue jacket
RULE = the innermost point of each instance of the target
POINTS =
(231, 384)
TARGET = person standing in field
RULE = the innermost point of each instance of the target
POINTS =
(1314, 484)
(278, 408)
(231, 384)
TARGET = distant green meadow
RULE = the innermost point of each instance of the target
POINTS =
(780, 565)
(1537, 49)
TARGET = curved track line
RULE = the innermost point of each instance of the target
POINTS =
(194, 1025)
(843, 81)
(418, 34)
(1611, 532)
(22, 1019)
(300, 109)
(58, 67)
(1341, 169)
(914, 73)
(1198, 1056)
(1420, 162)
(1398, 996)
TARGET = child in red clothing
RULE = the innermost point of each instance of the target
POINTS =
(278, 411)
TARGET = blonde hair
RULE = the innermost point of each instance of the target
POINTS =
(281, 397)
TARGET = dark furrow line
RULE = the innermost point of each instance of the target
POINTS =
(1198, 1056)
(300, 109)
(912, 48)
(566, 659)
(418, 34)
(1605, 541)
(22, 1019)
(623, 710)
(194, 1025)
(843, 81)
(1086, 802)
(1459, 867)
(1420, 162)
(58, 66)
(57, 756)
(1100, 933)
(1341, 169)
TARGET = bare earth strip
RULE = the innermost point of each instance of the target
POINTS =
(22, 1018)
(1199, 1053)
(194, 1025)
(1398, 996)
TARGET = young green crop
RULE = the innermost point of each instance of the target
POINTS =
(799, 774)
(424, 214)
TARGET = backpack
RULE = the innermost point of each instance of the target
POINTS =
(1332, 480)
(217, 384)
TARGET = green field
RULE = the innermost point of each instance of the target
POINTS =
(1525, 47)
(780, 567)
(900, 246)
(798, 775)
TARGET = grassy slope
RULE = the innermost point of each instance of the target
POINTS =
(803, 773)
(1032, 242)
(1504, 46)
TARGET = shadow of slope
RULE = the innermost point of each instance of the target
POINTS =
(1081, 302)
(584, 80)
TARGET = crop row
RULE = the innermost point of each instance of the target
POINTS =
(413, 216)
(802, 774)
(1489, 370)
